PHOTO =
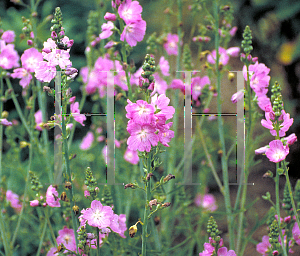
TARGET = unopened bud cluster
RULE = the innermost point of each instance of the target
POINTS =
(273, 235)
(297, 194)
(212, 229)
(91, 184)
(149, 69)
(35, 183)
(82, 240)
(276, 99)
(107, 197)
(287, 202)
(247, 42)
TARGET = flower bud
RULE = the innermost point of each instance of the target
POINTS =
(132, 230)
(110, 16)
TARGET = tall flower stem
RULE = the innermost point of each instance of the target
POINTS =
(68, 171)
(221, 131)
(291, 193)
(147, 196)
(278, 208)
(124, 58)
(244, 171)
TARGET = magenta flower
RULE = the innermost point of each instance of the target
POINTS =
(285, 241)
(30, 59)
(287, 122)
(52, 198)
(261, 150)
(264, 103)
(237, 96)
(34, 203)
(3, 121)
(45, 72)
(110, 16)
(118, 224)
(106, 30)
(207, 201)
(142, 137)
(140, 112)
(224, 55)
(223, 252)
(232, 31)
(98, 215)
(76, 113)
(134, 32)
(67, 238)
(291, 139)
(58, 57)
(296, 233)
(164, 66)
(22, 74)
(177, 84)
(14, 200)
(38, 120)
(8, 36)
(208, 250)
(165, 135)
(87, 141)
(161, 103)
(9, 57)
(277, 152)
(131, 156)
(171, 44)
(160, 85)
(198, 84)
(130, 11)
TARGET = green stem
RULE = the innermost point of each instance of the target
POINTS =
(221, 132)
(68, 172)
(278, 208)
(1, 126)
(124, 57)
(5, 239)
(147, 196)
(291, 193)
(244, 171)
(42, 239)
(98, 241)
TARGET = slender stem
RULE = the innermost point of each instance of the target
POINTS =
(42, 239)
(278, 208)
(291, 193)
(124, 57)
(68, 171)
(1, 126)
(50, 226)
(245, 171)
(5, 239)
(147, 196)
(98, 241)
(221, 132)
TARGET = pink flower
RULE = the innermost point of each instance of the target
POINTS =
(142, 137)
(140, 112)
(9, 57)
(87, 141)
(160, 85)
(76, 113)
(52, 251)
(224, 55)
(165, 135)
(237, 96)
(130, 11)
(106, 30)
(8, 36)
(30, 59)
(98, 215)
(198, 84)
(22, 74)
(277, 152)
(14, 200)
(38, 120)
(161, 103)
(264, 103)
(208, 250)
(34, 203)
(177, 84)
(58, 57)
(67, 238)
(296, 233)
(134, 32)
(3, 121)
(45, 72)
(291, 139)
(52, 198)
(287, 122)
(207, 201)
(171, 44)
(131, 156)
(164, 66)
(110, 16)
(223, 252)
(261, 150)
(118, 224)
(233, 31)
